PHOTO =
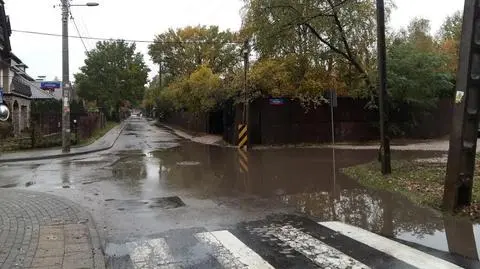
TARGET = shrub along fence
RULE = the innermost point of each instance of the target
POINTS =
(46, 130)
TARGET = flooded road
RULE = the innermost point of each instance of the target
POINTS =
(152, 187)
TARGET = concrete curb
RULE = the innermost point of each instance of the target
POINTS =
(64, 155)
(185, 135)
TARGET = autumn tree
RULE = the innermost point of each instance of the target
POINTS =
(336, 37)
(113, 75)
(449, 38)
(182, 51)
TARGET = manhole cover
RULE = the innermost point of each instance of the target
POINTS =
(166, 202)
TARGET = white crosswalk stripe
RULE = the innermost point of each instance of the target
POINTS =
(288, 241)
(314, 249)
(148, 253)
(231, 252)
(404, 253)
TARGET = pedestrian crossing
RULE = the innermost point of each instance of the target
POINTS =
(277, 244)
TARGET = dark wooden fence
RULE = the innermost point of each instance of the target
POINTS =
(288, 122)
(210, 123)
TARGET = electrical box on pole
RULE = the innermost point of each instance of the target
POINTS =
(463, 136)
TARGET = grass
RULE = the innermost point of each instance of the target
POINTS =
(422, 183)
(97, 134)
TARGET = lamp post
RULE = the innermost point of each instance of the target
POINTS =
(66, 86)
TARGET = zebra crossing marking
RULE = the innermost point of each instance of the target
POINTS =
(397, 250)
(318, 252)
(145, 253)
(236, 252)
(289, 242)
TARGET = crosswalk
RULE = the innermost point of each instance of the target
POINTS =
(270, 245)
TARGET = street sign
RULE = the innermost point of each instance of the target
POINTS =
(331, 96)
(276, 101)
(50, 85)
(1, 95)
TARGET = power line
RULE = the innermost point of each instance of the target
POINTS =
(126, 40)
(78, 31)
(84, 37)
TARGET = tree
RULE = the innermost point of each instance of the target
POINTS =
(449, 38)
(113, 74)
(335, 36)
(417, 72)
(199, 92)
(182, 51)
(452, 27)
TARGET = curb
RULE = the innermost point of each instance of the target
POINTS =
(185, 135)
(64, 155)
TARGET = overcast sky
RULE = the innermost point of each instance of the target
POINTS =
(142, 19)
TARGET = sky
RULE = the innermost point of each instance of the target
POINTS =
(142, 20)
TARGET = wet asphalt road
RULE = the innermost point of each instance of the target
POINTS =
(152, 185)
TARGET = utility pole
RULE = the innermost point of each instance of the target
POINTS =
(382, 89)
(463, 136)
(65, 79)
(160, 71)
(246, 113)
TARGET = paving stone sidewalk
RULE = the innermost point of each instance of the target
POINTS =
(39, 230)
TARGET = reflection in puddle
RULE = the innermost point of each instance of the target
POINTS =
(188, 163)
(301, 178)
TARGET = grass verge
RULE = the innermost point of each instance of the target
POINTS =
(420, 182)
(97, 134)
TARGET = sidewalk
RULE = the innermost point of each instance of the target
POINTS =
(206, 139)
(427, 145)
(433, 145)
(104, 143)
(40, 230)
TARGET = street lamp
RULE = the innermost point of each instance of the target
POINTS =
(66, 73)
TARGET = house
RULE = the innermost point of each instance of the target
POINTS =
(15, 83)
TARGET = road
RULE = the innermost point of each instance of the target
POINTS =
(162, 202)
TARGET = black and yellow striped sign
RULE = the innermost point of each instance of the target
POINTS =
(242, 135)
(243, 160)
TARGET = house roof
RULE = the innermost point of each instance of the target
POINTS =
(21, 86)
(39, 94)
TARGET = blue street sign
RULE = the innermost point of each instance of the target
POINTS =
(50, 85)
(277, 101)
(1, 95)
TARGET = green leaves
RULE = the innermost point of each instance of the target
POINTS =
(113, 73)
(184, 50)
(199, 92)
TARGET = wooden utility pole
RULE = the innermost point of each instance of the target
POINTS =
(65, 79)
(382, 89)
(463, 136)
(246, 113)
